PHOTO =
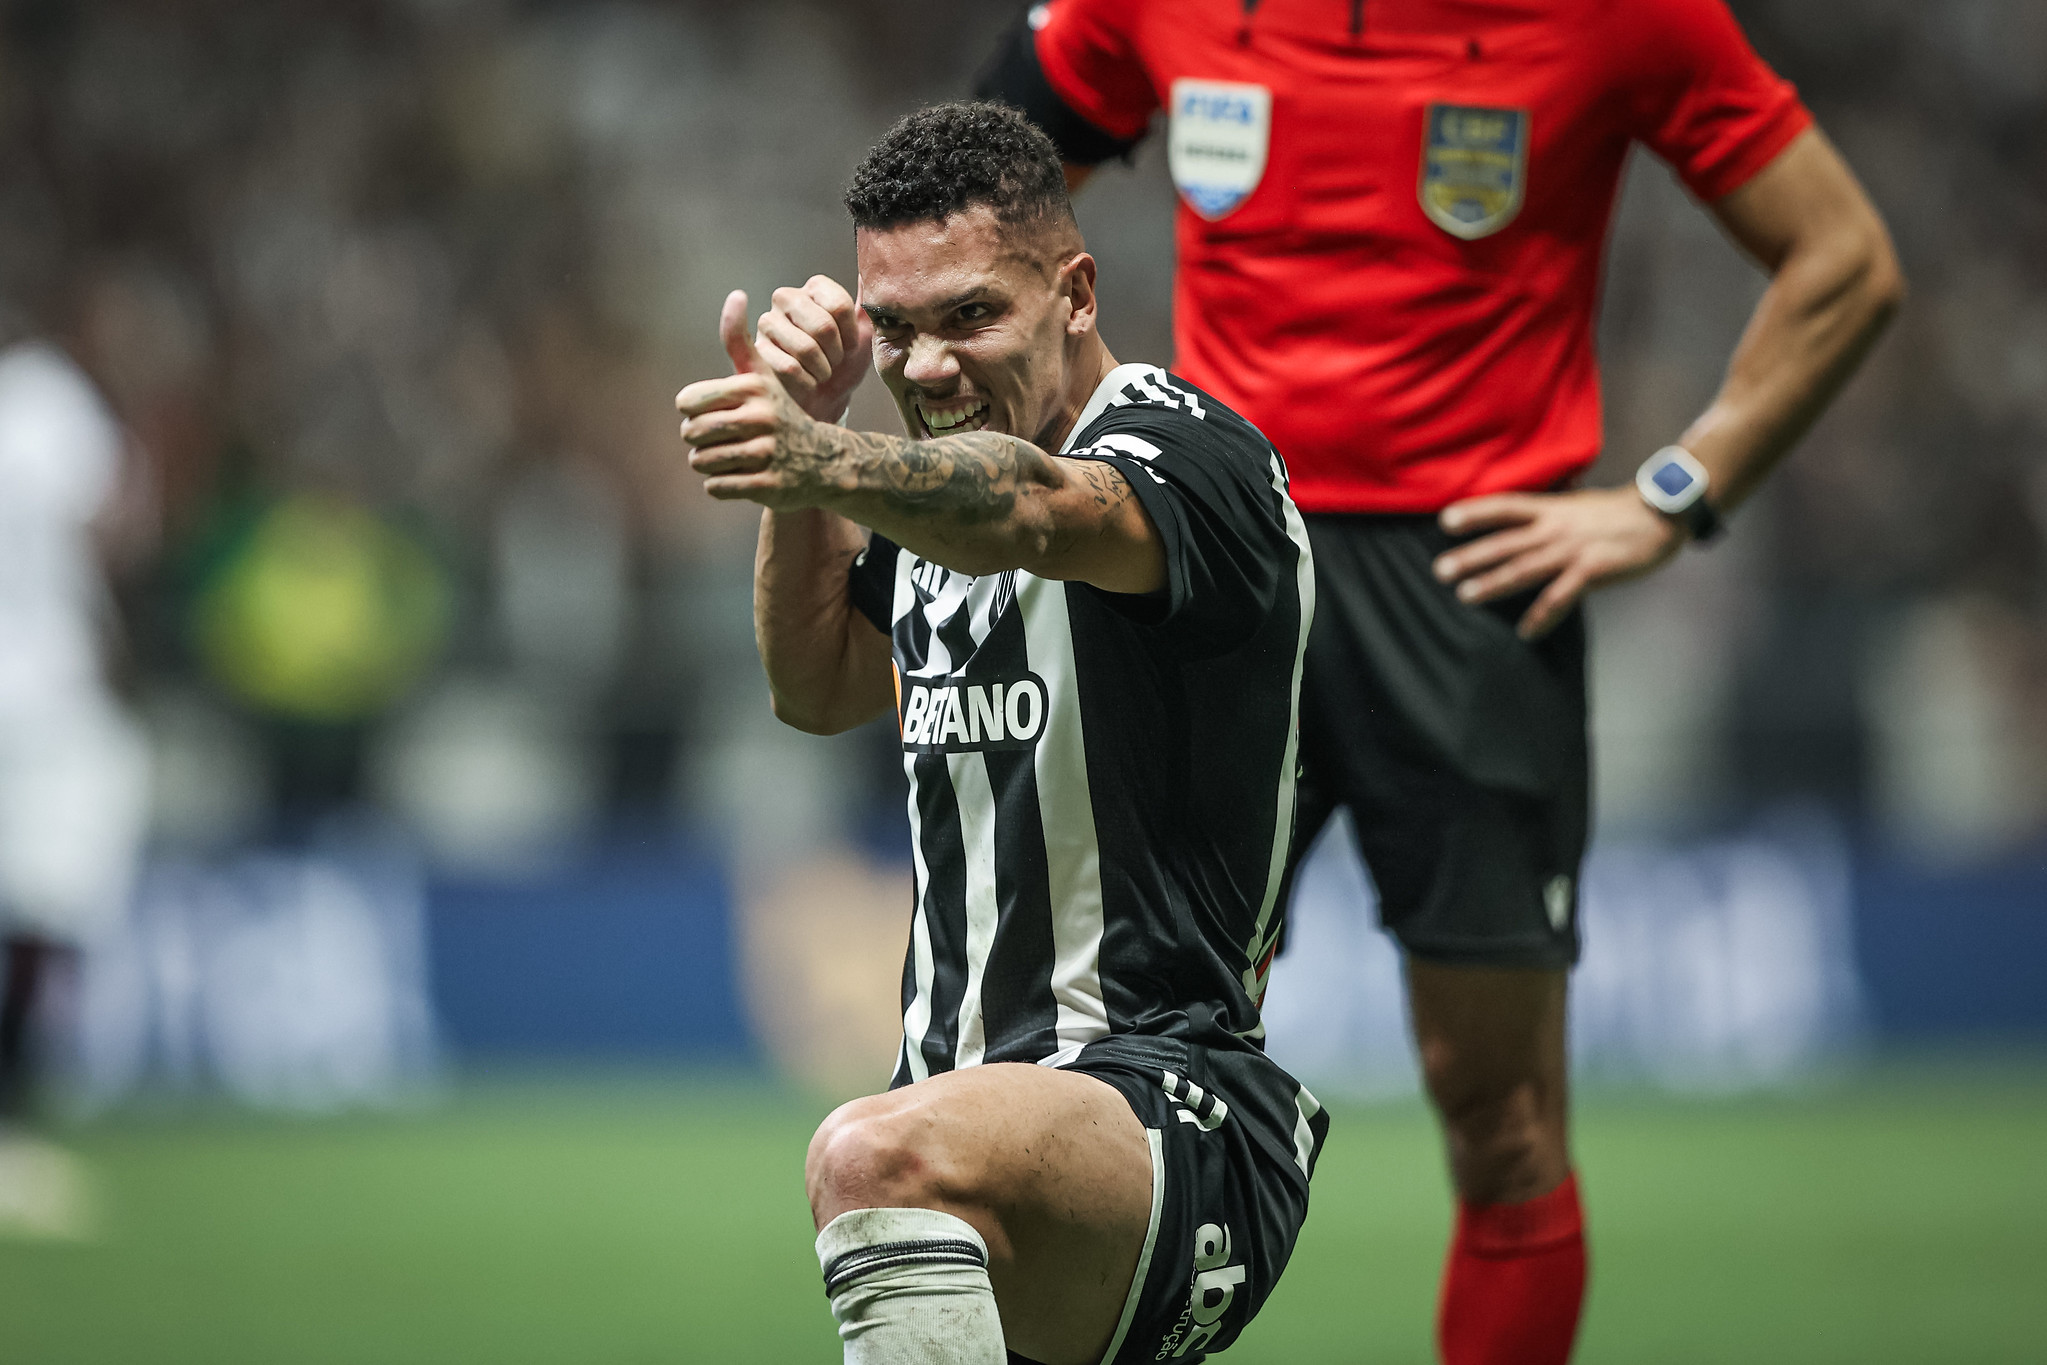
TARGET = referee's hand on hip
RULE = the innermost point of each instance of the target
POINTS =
(1565, 543)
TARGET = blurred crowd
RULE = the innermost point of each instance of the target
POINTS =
(389, 298)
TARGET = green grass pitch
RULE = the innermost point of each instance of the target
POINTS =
(1898, 1218)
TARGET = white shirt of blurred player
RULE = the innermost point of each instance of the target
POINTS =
(60, 451)
(74, 769)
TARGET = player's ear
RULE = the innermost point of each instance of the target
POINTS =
(1077, 282)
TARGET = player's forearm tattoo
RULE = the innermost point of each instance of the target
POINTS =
(968, 479)
(975, 477)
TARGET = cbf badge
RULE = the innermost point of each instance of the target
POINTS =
(1217, 142)
(1474, 168)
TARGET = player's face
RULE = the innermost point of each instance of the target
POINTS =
(973, 329)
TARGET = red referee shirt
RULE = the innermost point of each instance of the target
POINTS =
(1393, 211)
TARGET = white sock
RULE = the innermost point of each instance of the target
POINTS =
(910, 1287)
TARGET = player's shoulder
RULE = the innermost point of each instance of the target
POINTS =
(1145, 402)
(58, 437)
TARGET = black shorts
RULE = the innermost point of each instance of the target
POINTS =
(1234, 1141)
(1459, 748)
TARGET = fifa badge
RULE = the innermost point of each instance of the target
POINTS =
(1216, 147)
(1474, 168)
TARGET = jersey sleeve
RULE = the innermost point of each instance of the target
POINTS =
(1208, 485)
(871, 583)
(1071, 66)
(1704, 101)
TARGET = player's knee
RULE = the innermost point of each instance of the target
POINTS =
(1506, 1142)
(1504, 1113)
(869, 1154)
(1499, 1140)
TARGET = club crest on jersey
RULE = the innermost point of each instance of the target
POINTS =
(964, 715)
(1216, 145)
(1474, 168)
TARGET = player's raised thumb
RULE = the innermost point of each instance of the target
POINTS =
(732, 331)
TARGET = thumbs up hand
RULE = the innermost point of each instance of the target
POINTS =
(746, 434)
(732, 332)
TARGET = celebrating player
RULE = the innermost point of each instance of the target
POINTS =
(1096, 595)
(1389, 250)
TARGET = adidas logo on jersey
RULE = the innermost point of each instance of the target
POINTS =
(929, 578)
(1213, 1291)
(1195, 1105)
(1160, 389)
(958, 716)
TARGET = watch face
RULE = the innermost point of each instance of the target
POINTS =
(1673, 479)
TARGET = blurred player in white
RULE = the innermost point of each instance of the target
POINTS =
(73, 768)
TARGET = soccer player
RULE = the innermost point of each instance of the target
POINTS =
(1390, 233)
(74, 771)
(1086, 596)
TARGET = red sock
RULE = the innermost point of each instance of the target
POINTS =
(1515, 1282)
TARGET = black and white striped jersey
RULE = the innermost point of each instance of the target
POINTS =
(1102, 786)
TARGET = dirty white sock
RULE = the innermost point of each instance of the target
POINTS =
(910, 1287)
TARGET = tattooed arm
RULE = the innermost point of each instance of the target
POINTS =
(828, 667)
(982, 503)
(979, 503)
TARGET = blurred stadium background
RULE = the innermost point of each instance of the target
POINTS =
(491, 951)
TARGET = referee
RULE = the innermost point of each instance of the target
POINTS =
(1391, 221)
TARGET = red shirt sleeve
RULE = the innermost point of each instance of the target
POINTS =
(1089, 58)
(1704, 101)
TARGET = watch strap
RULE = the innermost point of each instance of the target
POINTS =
(1701, 521)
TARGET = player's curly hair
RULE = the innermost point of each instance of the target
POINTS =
(944, 159)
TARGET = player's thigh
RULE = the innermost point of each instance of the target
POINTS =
(1051, 1167)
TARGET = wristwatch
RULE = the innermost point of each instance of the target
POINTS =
(1674, 483)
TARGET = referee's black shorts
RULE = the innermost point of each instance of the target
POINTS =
(1459, 748)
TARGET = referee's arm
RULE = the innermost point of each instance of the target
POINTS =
(1835, 283)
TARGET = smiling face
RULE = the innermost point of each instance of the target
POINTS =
(980, 326)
